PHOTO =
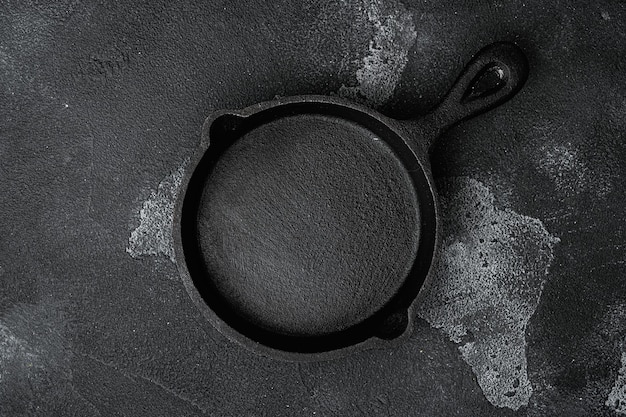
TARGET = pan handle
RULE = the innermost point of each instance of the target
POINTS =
(493, 76)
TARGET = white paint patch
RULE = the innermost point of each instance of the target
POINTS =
(488, 284)
(393, 36)
(153, 236)
(617, 397)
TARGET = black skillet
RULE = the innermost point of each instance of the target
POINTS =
(307, 227)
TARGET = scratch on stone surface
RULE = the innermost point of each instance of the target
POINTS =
(301, 375)
(133, 376)
(153, 236)
(393, 36)
(616, 400)
(91, 405)
(487, 285)
(89, 178)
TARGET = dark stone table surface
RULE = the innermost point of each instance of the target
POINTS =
(101, 105)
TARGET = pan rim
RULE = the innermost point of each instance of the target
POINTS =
(426, 253)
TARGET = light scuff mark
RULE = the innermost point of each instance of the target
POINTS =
(153, 236)
(488, 283)
(393, 36)
(14, 350)
(613, 327)
(570, 172)
(36, 364)
(572, 160)
(60, 10)
(616, 400)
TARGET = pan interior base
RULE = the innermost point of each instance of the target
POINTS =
(307, 225)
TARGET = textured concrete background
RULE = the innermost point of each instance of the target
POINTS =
(101, 104)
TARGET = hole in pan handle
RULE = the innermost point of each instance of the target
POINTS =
(493, 76)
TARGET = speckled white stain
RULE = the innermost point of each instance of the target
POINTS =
(616, 400)
(573, 167)
(393, 36)
(153, 236)
(489, 280)
(569, 172)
